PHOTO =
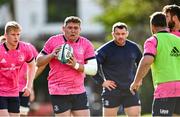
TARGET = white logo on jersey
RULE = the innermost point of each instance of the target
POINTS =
(106, 102)
(21, 58)
(13, 65)
(80, 50)
(3, 61)
(163, 111)
(56, 108)
(87, 104)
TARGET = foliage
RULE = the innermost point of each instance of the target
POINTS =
(133, 12)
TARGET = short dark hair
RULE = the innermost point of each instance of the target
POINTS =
(119, 25)
(172, 9)
(158, 19)
(73, 19)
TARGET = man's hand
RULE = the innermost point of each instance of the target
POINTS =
(56, 51)
(72, 61)
(109, 84)
(135, 87)
(27, 92)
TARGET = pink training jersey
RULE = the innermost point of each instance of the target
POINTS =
(177, 33)
(24, 69)
(63, 79)
(10, 64)
(164, 90)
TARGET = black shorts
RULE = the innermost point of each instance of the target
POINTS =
(24, 101)
(62, 103)
(166, 106)
(118, 97)
(10, 103)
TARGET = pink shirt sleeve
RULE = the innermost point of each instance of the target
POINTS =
(34, 51)
(150, 46)
(52, 43)
(29, 53)
(89, 51)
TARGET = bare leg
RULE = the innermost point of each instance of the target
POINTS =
(64, 114)
(4, 112)
(14, 114)
(81, 113)
(110, 112)
(134, 111)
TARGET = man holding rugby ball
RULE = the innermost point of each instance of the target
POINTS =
(66, 80)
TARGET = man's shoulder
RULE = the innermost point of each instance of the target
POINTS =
(84, 41)
(24, 44)
(131, 42)
(81, 38)
(106, 46)
(58, 36)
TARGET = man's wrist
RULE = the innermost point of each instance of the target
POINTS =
(76, 66)
(52, 55)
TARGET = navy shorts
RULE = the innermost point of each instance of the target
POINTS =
(166, 106)
(24, 101)
(115, 98)
(62, 103)
(10, 103)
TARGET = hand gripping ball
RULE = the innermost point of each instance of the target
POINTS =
(65, 53)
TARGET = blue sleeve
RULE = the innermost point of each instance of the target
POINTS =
(139, 56)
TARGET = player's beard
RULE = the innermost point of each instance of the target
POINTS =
(171, 24)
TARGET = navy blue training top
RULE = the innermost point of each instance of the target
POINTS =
(118, 63)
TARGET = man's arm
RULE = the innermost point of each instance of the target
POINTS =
(30, 78)
(141, 72)
(39, 70)
(43, 59)
(90, 68)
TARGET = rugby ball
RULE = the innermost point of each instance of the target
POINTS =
(65, 53)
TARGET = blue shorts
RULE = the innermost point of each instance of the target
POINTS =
(62, 103)
(166, 106)
(117, 97)
(24, 101)
(10, 103)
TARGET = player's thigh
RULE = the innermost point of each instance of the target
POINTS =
(110, 111)
(131, 104)
(131, 100)
(61, 103)
(80, 102)
(111, 100)
(163, 106)
(4, 112)
(177, 107)
(111, 104)
(3, 106)
(14, 114)
(133, 111)
(64, 114)
(24, 104)
(80, 113)
(13, 105)
(24, 100)
(3, 103)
